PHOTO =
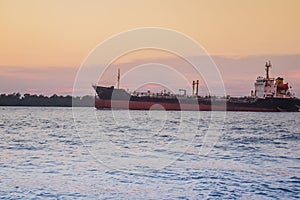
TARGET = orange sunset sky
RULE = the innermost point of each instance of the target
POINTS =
(44, 42)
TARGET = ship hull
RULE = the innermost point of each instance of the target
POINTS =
(110, 98)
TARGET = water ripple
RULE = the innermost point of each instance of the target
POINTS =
(43, 157)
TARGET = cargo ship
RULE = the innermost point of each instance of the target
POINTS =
(269, 95)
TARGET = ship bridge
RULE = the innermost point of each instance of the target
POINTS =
(266, 87)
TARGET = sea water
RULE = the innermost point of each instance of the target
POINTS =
(83, 153)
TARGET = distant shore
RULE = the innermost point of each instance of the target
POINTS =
(17, 99)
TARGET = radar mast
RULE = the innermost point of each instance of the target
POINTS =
(268, 65)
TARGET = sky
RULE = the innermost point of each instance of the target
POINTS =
(43, 43)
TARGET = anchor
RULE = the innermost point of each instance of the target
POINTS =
(298, 108)
(279, 109)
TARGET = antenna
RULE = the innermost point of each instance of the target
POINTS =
(118, 78)
(268, 65)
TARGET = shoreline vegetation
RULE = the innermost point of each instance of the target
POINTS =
(17, 99)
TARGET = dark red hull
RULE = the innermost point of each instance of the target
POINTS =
(131, 105)
(110, 98)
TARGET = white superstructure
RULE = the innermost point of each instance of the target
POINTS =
(270, 87)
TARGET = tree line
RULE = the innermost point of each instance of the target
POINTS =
(17, 99)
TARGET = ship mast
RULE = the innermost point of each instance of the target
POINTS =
(197, 88)
(268, 65)
(118, 78)
(193, 88)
